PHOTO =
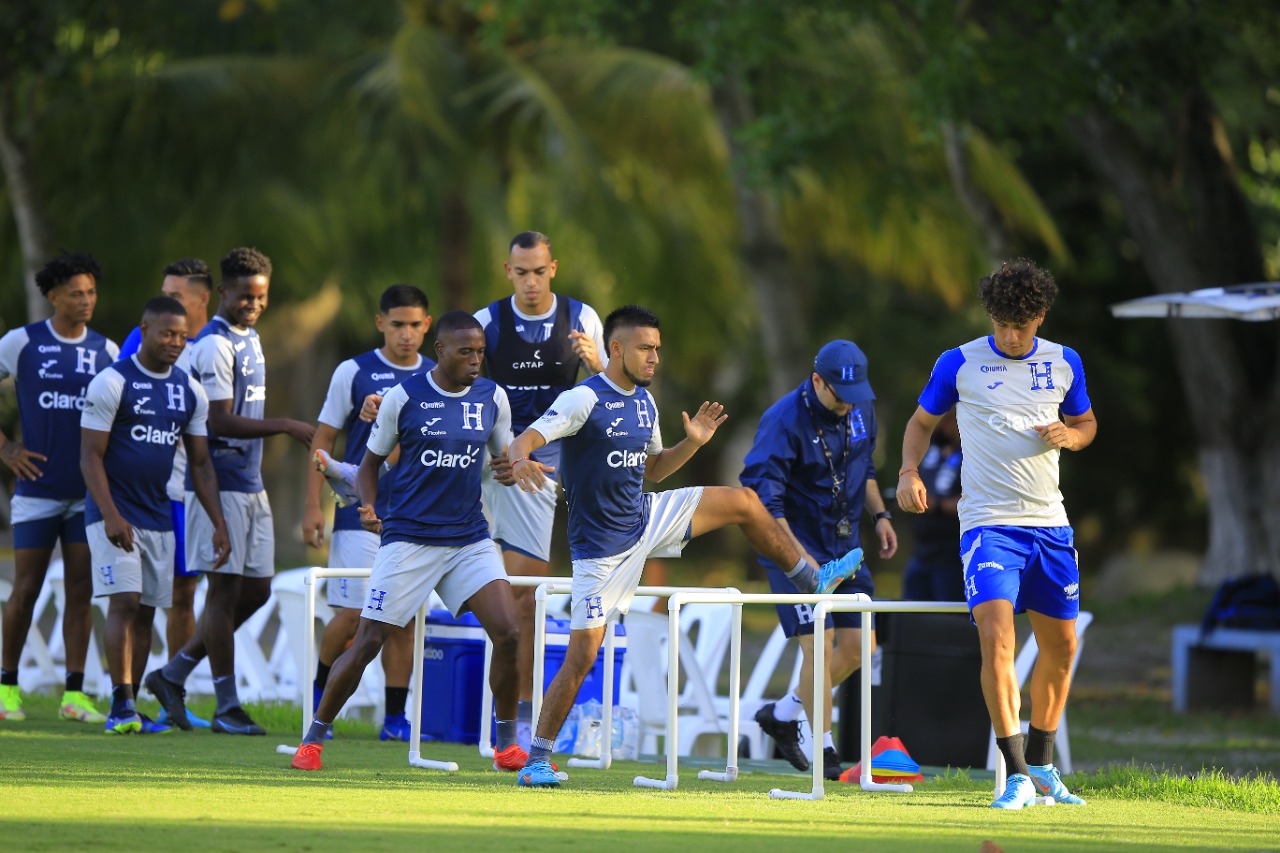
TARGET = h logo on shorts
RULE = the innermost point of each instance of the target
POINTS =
(376, 597)
(595, 607)
(1037, 375)
(804, 614)
(472, 419)
(108, 576)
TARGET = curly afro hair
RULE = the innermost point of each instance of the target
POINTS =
(245, 263)
(65, 267)
(1017, 292)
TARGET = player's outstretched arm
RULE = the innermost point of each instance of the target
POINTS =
(915, 442)
(529, 474)
(225, 423)
(698, 430)
(312, 515)
(93, 446)
(204, 482)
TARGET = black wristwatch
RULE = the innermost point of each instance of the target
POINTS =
(885, 515)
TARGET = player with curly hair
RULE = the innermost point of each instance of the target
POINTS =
(1020, 401)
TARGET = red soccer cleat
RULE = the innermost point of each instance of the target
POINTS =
(308, 757)
(511, 759)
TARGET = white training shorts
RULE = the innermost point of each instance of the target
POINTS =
(405, 573)
(519, 520)
(603, 586)
(26, 508)
(147, 569)
(253, 541)
(350, 549)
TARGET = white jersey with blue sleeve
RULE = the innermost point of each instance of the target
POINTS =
(1010, 474)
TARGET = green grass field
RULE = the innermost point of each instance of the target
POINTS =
(67, 787)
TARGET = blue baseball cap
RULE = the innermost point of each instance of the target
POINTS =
(843, 366)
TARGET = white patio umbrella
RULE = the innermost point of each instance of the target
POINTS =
(1254, 302)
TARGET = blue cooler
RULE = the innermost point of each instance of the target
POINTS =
(453, 673)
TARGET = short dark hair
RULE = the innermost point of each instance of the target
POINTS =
(1018, 291)
(454, 321)
(65, 267)
(628, 317)
(163, 305)
(245, 263)
(402, 296)
(529, 239)
(193, 270)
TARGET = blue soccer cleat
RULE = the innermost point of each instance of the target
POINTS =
(163, 719)
(152, 727)
(836, 572)
(1019, 791)
(398, 727)
(125, 724)
(1047, 778)
(538, 774)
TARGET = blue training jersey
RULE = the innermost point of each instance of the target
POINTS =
(229, 364)
(788, 470)
(146, 415)
(353, 380)
(607, 437)
(435, 497)
(51, 374)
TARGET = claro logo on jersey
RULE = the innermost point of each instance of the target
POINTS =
(1000, 421)
(432, 458)
(625, 459)
(151, 435)
(54, 400)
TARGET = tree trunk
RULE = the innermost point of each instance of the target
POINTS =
(780, 294)
(28, 212)
(456, 253)
(1201, 233)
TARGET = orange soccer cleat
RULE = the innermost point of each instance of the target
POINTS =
(308, 757)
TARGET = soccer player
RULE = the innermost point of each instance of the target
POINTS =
(612, 442)
(434, 534)
(227, 360)
(52, 363)
(403, 321)
(136, 411)
(536, 342)
(1020, 401)
(188, 281)
(811, 466)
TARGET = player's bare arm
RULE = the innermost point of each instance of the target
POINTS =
(325, 438)
(204, 482)
(20, 460)
(529, 474)
(698, 430)
(225, 423)
(912, 496)
(1073, 432)
(367, 486)
(93, 446)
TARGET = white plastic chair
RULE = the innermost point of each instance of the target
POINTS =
(1023, 665)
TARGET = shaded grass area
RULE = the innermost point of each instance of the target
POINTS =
(70, 787)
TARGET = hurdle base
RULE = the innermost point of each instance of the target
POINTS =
(868, 785)
(415, 760)
(779, 794)
(285, 749)
(604, 762)
(667, 784)
(730, 774)
(486, 751)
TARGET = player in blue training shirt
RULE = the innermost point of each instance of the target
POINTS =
(136, 413)
(612, 443)
(434, 533)
(537, 342)
(52, 363)
(188, 281)
(228, 361)
(811, 465)
(1020, 401)
(403, 321)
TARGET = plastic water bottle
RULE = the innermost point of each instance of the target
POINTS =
(568, 736)
(626, 733)
(589, 725)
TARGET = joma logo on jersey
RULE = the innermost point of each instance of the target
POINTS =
(46, 373)
(437, 459)
(625, 459)
(151, 435)
(54, 400)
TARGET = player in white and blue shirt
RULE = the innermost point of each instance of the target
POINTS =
(434, 533)
(611, 443)
(137, 412)
(52, 363)
(536, 345)
(228, 360)
(1020, 401)
(403, 321)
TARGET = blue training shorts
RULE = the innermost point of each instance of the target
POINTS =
(1036, 568)
(798, 618)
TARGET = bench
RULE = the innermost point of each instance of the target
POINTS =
(1220, 667)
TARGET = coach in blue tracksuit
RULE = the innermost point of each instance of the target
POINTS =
(811, 465)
